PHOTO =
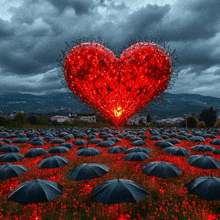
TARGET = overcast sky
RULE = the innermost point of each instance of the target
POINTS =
(33, 33)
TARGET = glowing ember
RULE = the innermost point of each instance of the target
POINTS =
(117, 87)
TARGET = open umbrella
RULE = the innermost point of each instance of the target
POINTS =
(67, 145)
(196, 139)
(52, 162)
(59, 149)
(203, 147)
(203, 161)
(139, 149)
(207, 187)
(163, 144)
(11, 157)
(88, 171)
(95, 141)
(106, 143)
(118, 191)
(36, 191)
(20, 140)
(11, 170)
(161, 169)
(116, 149)
(79, 142)
(173, 141)
(136, 156)
(10, 148)
(179, 151)
(138, 143)
(35, 152)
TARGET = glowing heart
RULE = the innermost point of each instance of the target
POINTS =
(117, 87)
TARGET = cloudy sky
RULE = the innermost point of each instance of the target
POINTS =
(33, 33)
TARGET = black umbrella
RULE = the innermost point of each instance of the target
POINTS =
(106, 143)
(56, 141)
(138, 143)
(156, 137)
(20, 140)
(118, 191)
(11, 157)
(114, 139)
(36, 191)
(173, 141)
(204, 162)
(215, 142)
(95, 141)
(67, 145)
(196, 139)
(35, 152)
(203, 147)
(59, 149)
(136, 156)
(207, 187)
(164, 144)
(161, 169)
(139, 149)
(116, 149)
(10, 148)
(11, 170)
(180, 151)
(6, 141)
(79, 142)
(52, 162)
(88, 171)
(88, 151)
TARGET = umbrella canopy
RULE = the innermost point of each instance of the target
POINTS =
(215, 142)
(164, 144)
(52, 162)
(179, 151)
(10, 148)
(56, 141)
(138, 143)
(11, 170)
(36, 191)
(182, 137)
(95, 141)
(79, 142)
(6, 141)
(59, 149)
(88, 151)
(196, 139)
(114, 139)
(118, 191)
(11, 157)
(136, 156)
(20, 140)
(35, 152)
(139, 149)
(207, 187)
(106, 143)
(203, 147)
(88, 171)
(67, 145)
(156, 137)
(116, 149)
(173, 141)
(204, 162)
(161, 169)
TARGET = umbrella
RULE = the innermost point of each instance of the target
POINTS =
(215, 142)
(182, 137)
(173, 141)
(35, 152)
(20, 140)
(6, 141)
(156, 137)
(136, 156)
(114, 139)
(196, 139)
(204, 162)
(207, 187)
(180, 151)
(138, 143)
(161, 169)
(116, 149)
(56, 141)
(118, 191)
(52, 162)
(11, 157)
(88, 171)
(59, 149)
(10, 148)
(164, 144)
(11, 170)
(67, 145)
(79, 142)
(106, 143)
(95, 141)
(36, 191)
(203, 147)
(139, 149)
(88, 151)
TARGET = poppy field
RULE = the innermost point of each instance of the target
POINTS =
(166, 199)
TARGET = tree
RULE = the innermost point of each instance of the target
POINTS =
(148, 118)
(32, 119)
(217, 124)
(20, 119)
(191, 121)
(201, 124)
(154, 124)
(2, 121)
(209, 116)
(42, 119)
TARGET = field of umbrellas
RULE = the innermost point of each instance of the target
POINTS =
(146, 173)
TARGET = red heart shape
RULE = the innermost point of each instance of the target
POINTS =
(117, 87)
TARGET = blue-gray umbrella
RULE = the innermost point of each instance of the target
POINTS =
(139, 149)
(36, 191)
(106, 143)
(95, 141)
(161, 169)
(88, 171)
(10, 148)
(67, 145)
(196, 139)
(163, 144)
(114, 139)
(79, 142)
(59, 149)
(215, 142)
(138, 143)
(179, 151)
(136, 156)
(88, 151)
(156, 137)
(203, 161)
(11, 170)
(203, 147)
(6, 141)
(207, 187)
(116, 149)
(35, 152)
(20, 140)
(56, 141)
(173, 141)
(52, 162)
(11, 157)
(182, 137)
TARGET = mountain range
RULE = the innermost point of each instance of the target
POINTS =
(172, 105)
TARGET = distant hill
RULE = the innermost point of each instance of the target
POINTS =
(173, 105)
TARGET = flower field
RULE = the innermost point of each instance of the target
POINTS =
(167, 199)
